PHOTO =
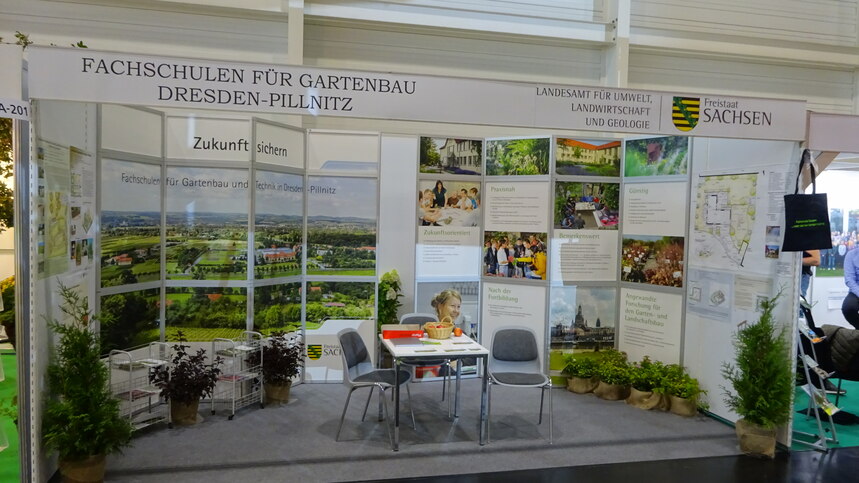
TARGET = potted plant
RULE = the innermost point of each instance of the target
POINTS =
(282, 359)
(389, 303)
(581, 372)
(683, 390)
(82, 422)
(186, 380)
(647, 385)
(762, 382)
(613, 372)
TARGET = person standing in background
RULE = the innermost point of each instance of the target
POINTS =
(850, 305)
(810, 258)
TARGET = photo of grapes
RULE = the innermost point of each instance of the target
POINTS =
(657, 260)
(506, 157)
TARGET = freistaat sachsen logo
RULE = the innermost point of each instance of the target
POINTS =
(314, 351)
(684, 112)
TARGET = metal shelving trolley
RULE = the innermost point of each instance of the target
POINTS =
(240, 384)
(129, 382)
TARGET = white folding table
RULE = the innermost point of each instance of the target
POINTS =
(453, 348)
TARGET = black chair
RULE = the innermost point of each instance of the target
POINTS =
(514, 361)
(422, 318)
(358, 372)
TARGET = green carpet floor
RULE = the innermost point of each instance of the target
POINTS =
(848, 435)
(9, 462)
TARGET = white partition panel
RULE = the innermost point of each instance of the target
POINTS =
(131, 130)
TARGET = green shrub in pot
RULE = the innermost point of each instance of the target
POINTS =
(581, 370)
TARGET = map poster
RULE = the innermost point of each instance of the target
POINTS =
(657, 209)
(517, 206)
(725, 211)
(710, 293)
(650, 325)
(584, 255)
(54, 162)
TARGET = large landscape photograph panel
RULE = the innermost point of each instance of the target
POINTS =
(278, 226)
(130, 222)
(341, 226)
(277, 308)
(205, 313)
(207, 223)
(339, 300)
(129, 319)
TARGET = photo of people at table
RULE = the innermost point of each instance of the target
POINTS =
(592, 206)
(514, 255)
(448, 203)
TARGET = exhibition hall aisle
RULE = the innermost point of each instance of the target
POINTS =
(296, 442)
(9, 459)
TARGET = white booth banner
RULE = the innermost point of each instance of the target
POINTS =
(93, 76)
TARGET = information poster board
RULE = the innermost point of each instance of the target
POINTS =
(650, 325)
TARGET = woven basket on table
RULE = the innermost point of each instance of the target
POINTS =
(434, 332)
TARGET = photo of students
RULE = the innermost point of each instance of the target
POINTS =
(454, 204)
(514, 255)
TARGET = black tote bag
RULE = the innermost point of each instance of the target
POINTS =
(806, 216)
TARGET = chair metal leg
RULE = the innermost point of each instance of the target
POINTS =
(488, 411)
(447, 383)
(411, 409)
(367, 405)
(387, 418)
(343, 416)
(542, 394)
(551, 410)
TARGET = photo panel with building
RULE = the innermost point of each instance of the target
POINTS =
(439, 155)
(587, 157)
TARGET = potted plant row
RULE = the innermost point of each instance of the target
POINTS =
(647, 384)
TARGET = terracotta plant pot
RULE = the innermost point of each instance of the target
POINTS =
(277, 394)
(647, 400)
(83, 471)
(756, 440)
(582, 385)
(683, 407)
(184, 414)
(611, 392)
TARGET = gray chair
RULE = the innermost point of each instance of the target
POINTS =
(358, 372)
(514, 361)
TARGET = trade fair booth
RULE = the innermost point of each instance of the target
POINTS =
(181, 194)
